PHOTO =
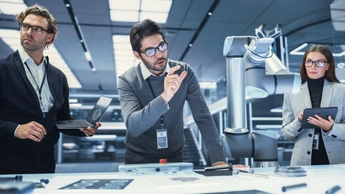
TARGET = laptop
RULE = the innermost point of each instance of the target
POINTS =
(323, 112)
(94, 116)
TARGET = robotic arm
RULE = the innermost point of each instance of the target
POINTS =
(261, 32)
(264, 74)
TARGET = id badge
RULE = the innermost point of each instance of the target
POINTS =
(44, 104)
(316, 141)
(44, 109)
(162, 138)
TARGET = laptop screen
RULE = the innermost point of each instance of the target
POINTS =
(99, 109)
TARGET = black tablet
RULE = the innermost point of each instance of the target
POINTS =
(323, 112)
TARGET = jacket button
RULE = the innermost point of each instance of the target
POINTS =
(308, 152)
(310, 135)
(334, 136)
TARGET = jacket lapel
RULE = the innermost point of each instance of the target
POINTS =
(18, 62)
(326, 94)
(305, 96)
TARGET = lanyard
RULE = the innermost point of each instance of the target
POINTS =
(39, 87)
(161, 120)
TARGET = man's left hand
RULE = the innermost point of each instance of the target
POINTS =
(234, 166)
(89, 131)
(220, 164)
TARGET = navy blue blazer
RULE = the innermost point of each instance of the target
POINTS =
(19, 104)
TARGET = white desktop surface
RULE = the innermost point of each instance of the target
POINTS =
(318, 180)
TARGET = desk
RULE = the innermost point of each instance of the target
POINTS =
(318, 180)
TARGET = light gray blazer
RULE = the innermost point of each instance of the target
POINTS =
(333, 94)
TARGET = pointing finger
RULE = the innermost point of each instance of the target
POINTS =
(183, 75)
(173, 69)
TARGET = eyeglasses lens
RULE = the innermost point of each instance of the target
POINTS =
(318, 63)
(152, 51)
(35, 29)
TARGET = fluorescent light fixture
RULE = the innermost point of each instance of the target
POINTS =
(124, 5)
(155, 5)
(73, 100)
(76, 105)
(138, 10)
(88, 56)
(11, 38)
(12, 7)
(124, 58)
(124, 16)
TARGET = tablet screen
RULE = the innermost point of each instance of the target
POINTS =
(323, 112)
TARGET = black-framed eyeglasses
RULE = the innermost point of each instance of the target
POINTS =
(151, 51)
(318, 63)
(35, 29)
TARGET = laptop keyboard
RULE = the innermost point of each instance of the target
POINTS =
(78, 122)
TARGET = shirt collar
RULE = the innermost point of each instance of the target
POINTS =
(26, 58)
(146, 73)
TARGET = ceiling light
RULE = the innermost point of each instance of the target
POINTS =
(76, 105)
(88, 56)
(124, 16)
(73, 100)
(138, 10)
(124, 58)
(12, 7)
(124, 5)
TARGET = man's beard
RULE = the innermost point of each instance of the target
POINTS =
(153, 67)
(29, 46)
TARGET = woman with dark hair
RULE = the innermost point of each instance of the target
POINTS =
(320, 87)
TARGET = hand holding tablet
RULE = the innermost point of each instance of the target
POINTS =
(323, 112)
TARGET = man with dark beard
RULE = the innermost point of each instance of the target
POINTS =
(152, 97)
